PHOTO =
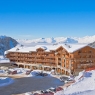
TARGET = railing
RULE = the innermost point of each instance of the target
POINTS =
(86, 53)
(79, 59)
(50, 56)
(89, 64)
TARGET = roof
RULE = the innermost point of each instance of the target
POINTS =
(69, 47)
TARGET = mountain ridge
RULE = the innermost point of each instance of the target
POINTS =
(6, 43)
(85, 39)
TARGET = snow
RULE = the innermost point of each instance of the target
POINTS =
(5, 81)
(84, 82)
(19, 70)
(33, 73)
(81, 74)
(3, 59)
(70, 40)
(85, 39)
(85, 85)
(68, 47)
(22, 71)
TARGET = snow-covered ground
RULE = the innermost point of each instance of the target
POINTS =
(3, 59)
(33, 73)
(84, 85)
(22, 71)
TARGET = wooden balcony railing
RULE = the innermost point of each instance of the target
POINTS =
(86, 53)
(50, 56)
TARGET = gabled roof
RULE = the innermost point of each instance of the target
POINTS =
(69, 47)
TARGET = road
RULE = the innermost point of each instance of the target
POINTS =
(28, 84)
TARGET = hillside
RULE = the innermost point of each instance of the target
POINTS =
(92, 44)
(6, 43)
(85, 39)
(84, 85)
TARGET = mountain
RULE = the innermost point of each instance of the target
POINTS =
(85, 39)
(92, 44)
(70, 40)
(6, 43)
(47, 41)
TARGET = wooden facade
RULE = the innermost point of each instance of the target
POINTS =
(60, 59)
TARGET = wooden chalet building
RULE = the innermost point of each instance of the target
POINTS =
(64, 58)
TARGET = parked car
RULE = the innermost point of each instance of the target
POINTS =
(28, 72)
(69, 80)
(63, 79)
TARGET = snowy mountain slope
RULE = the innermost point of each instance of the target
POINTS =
(48, 41)
(83, 86)
(6, 43)
(86, 39)
(70, 40)
(92, 44)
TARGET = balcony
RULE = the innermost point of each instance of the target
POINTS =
(79, 59)
(86, 53)
(22, 58)
(29, 55)
(86, 64)
(50, 56)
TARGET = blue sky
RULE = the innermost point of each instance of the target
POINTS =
(47, 18)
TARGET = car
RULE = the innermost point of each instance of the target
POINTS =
(69, 80)
(63, 79)
(52, 89)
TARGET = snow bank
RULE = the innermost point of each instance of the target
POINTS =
(80, 76)
(2, 71)
(86, 83)
(34, 72)
(5, 81)
(19, 70)
(3, 59)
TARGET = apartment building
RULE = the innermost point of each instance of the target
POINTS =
(63, 58)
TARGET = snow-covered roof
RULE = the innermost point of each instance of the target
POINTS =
(69, 47)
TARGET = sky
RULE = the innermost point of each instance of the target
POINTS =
(30, 19)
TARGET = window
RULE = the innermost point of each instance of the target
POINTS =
(59, 63)
(59, 58)
(89, 56)
(72, 65)
(90, 51)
